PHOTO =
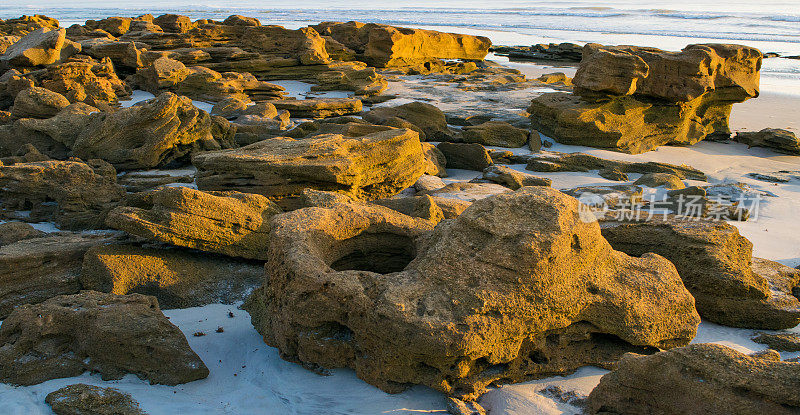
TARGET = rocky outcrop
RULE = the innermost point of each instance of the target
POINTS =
(40, 47)
(162, 130)
(699, 378)
(780, 140)
(513, 179)
(635, 99)
(178, 278)
(496, 133)
(370, 166)
(38, 102)
(518, 286)
(429, 121)
(716, 265)
(82, 399)
(472, 156)
(95, 83)
(11, 232)
(35, 269)
(554, 162)
(73, 194)
(91, 331)
(229, 223)
(384, 46)
(319, 107)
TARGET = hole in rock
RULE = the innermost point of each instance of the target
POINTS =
(375, 252)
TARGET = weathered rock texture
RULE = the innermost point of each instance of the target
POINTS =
(635, 99)
(164, 129)
(73, 194)
(716, 265)
(178, 278)
(382, 45)
(40, 47)
(371, 166)
(229, 223)
(778, 139)
(33, 270)
(518, 286)
(698, 379)
(81, 399)
(106, 333)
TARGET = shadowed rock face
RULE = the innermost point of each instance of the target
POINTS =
(699, 379)
(36, 269)
(178, 278)
(73, 194)
(229, 223)
(81, 399)
(717, 266)
(384, 46)
(110, 334)
(371, 166)
(517, 286)
(635, 99)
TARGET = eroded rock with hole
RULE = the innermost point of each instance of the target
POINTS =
(92, 331)
(518, 286)
(699, 378)
(370, 166)
(717, 266)
(229, 223)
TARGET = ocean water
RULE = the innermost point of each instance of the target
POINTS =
(770, 25)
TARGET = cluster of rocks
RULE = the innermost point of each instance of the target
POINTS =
(635, 99)
(562, 52)
(331, 218)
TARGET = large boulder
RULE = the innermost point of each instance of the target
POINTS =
(153, 134)
(40, 47)
(36, 269)
(698, 379)
(716, 265)
(38, 102)
(229, 223)
(635, 99)
(91, 331)
(73, 194)
(371, 166)
(178, 278)
(518, 286)
(383, 46)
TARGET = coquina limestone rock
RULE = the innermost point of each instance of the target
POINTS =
(106, 333)
(635, 99)
(36, 269)
(82, 399)
(383, 46)
(518, 286)
(164, 129)
(73, 194)
(699, 378)
(178, 278)
(229, 223)
(717, 266)
(40, 47)
(370, 166)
